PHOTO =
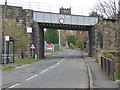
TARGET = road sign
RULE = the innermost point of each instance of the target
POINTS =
(29, 29)
(49, 47)
(7, 38)
(61, 20)
(32, 46)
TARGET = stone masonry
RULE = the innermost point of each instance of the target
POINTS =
(21, 16)
(106, 37)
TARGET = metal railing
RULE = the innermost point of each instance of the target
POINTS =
(108, 66)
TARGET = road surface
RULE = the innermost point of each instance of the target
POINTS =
(65, 69)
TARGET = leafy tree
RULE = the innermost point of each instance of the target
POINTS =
(71, 39)
(52, 36)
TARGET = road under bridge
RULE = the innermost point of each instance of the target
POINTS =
(66, 22)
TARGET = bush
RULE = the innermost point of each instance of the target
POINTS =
(70, 39)
(109, 55)
(79, 45)
(71, 45)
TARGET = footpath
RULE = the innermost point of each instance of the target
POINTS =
(99, 78)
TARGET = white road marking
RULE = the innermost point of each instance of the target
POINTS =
(51, 67)
(14, 85)
(57, 63)
(31, 77)
(44, 70)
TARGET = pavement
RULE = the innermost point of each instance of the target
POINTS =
(99, 78)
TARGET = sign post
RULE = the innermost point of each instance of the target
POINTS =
(33, 48)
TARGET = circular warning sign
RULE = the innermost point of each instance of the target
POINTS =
(61, 20)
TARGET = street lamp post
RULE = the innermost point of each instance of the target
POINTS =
(59, 40)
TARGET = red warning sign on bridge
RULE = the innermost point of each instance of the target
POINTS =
(32, 46)
(61, 20)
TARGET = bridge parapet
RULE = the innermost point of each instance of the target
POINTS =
(45, 17)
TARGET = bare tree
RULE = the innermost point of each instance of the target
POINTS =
(107, 8)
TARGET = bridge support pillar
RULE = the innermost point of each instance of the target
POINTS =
(41, 43)
(92, 50)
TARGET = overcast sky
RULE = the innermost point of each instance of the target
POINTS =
(83, 6)
(78, 3)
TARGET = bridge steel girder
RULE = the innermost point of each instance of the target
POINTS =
(66, 27)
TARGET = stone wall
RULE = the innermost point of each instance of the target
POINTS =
(106, 37)
(22, 17)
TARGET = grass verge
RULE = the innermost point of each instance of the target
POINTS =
(25, 61)
(94, 57)
(118, 75)
(6, 67)
(17, 63)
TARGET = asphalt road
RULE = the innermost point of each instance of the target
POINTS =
(65, 69)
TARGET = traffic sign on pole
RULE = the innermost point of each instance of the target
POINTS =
(49, 46)
(32, 46)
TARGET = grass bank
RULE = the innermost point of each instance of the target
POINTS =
(6, 67)
(17, 63)
(118, 75)
(25, 61)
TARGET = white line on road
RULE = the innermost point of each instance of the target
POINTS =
(31, 77)
(52, 67)
(14, 85)
(57, 63)
(44, 70)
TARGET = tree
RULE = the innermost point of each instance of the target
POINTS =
(71, 39)
(107, 8)
(95, 14)
(52, 36)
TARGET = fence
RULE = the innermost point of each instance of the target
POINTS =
(108, 66)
